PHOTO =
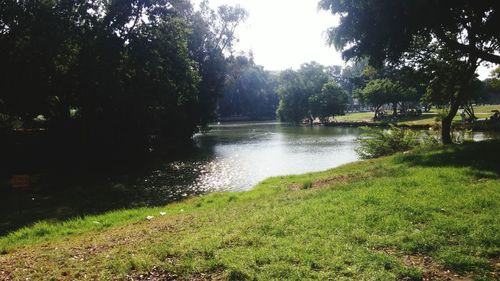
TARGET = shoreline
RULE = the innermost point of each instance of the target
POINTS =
(370, 215)
(476, 126)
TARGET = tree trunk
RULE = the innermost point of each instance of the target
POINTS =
(470, 111)
(376, 112)
(446, 124)
(446, 137)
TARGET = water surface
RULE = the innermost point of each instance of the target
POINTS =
(244, 154)
(230, 157)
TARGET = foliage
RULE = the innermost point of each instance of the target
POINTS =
(308, 93)
(375, 142)
(492, 87)
(404, 28)
(383, 91)
(342, 229)
(212, 37)
(352, 79)
(332, 100)
(293, 99)
(495, 73)
(455, 32)
(129, 69)
(249, 92)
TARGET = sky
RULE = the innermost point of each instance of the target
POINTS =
(287, 33)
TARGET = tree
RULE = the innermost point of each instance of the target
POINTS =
(293, 99)
(212, 36)
(314, 76)
(331, 101)
(296, 87)
(396, 32)
(377, 93)
(492, 85)
(385, 91)
(491, 88)
(249, 91)
(352, 79)
(108, 75)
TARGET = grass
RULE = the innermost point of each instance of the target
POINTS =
(428, 118)
(486, 109)
(355, 117)
(360, 221)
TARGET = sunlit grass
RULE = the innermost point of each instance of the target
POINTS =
(486, 109)
(355, 222)
(355, 117)
(427, 118)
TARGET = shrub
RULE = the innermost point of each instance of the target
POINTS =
(307, 184)
(376, 142)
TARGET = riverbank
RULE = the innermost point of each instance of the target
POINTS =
(431, 214)
(424, 121)
(478, 126)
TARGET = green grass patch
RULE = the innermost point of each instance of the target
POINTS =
(355, 222)
(427, 118)
(355, 117)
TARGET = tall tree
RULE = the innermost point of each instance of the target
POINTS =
(110, 74)
(212, 37)
(405, 31)
(308, 93)
(249, 91)
(295, 89)
(293, 99)
(331, 101)
(385, 91)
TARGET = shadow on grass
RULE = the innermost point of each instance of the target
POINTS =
(482, 156)
(417, 118)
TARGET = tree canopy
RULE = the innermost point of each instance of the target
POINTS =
(422, 34)
(386, 91)
(330, 101)
(386, 30)
(114, 73)
(309, 92)
(250, 91)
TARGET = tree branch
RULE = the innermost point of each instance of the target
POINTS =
(468, 48)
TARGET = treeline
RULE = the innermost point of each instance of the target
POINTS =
(407, 91)
(310, 93)
(121, 75)
(318, 93)
(250, 92)
(112, 75)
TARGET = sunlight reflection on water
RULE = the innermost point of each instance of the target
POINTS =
(231, 157)
(240, 155)
(247, 153)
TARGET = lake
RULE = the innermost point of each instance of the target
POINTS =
(230, 157)
(246, 153)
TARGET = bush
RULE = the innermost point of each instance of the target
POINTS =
(376, 142)
(307, 184)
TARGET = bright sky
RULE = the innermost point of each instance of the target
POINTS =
(286, 33)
